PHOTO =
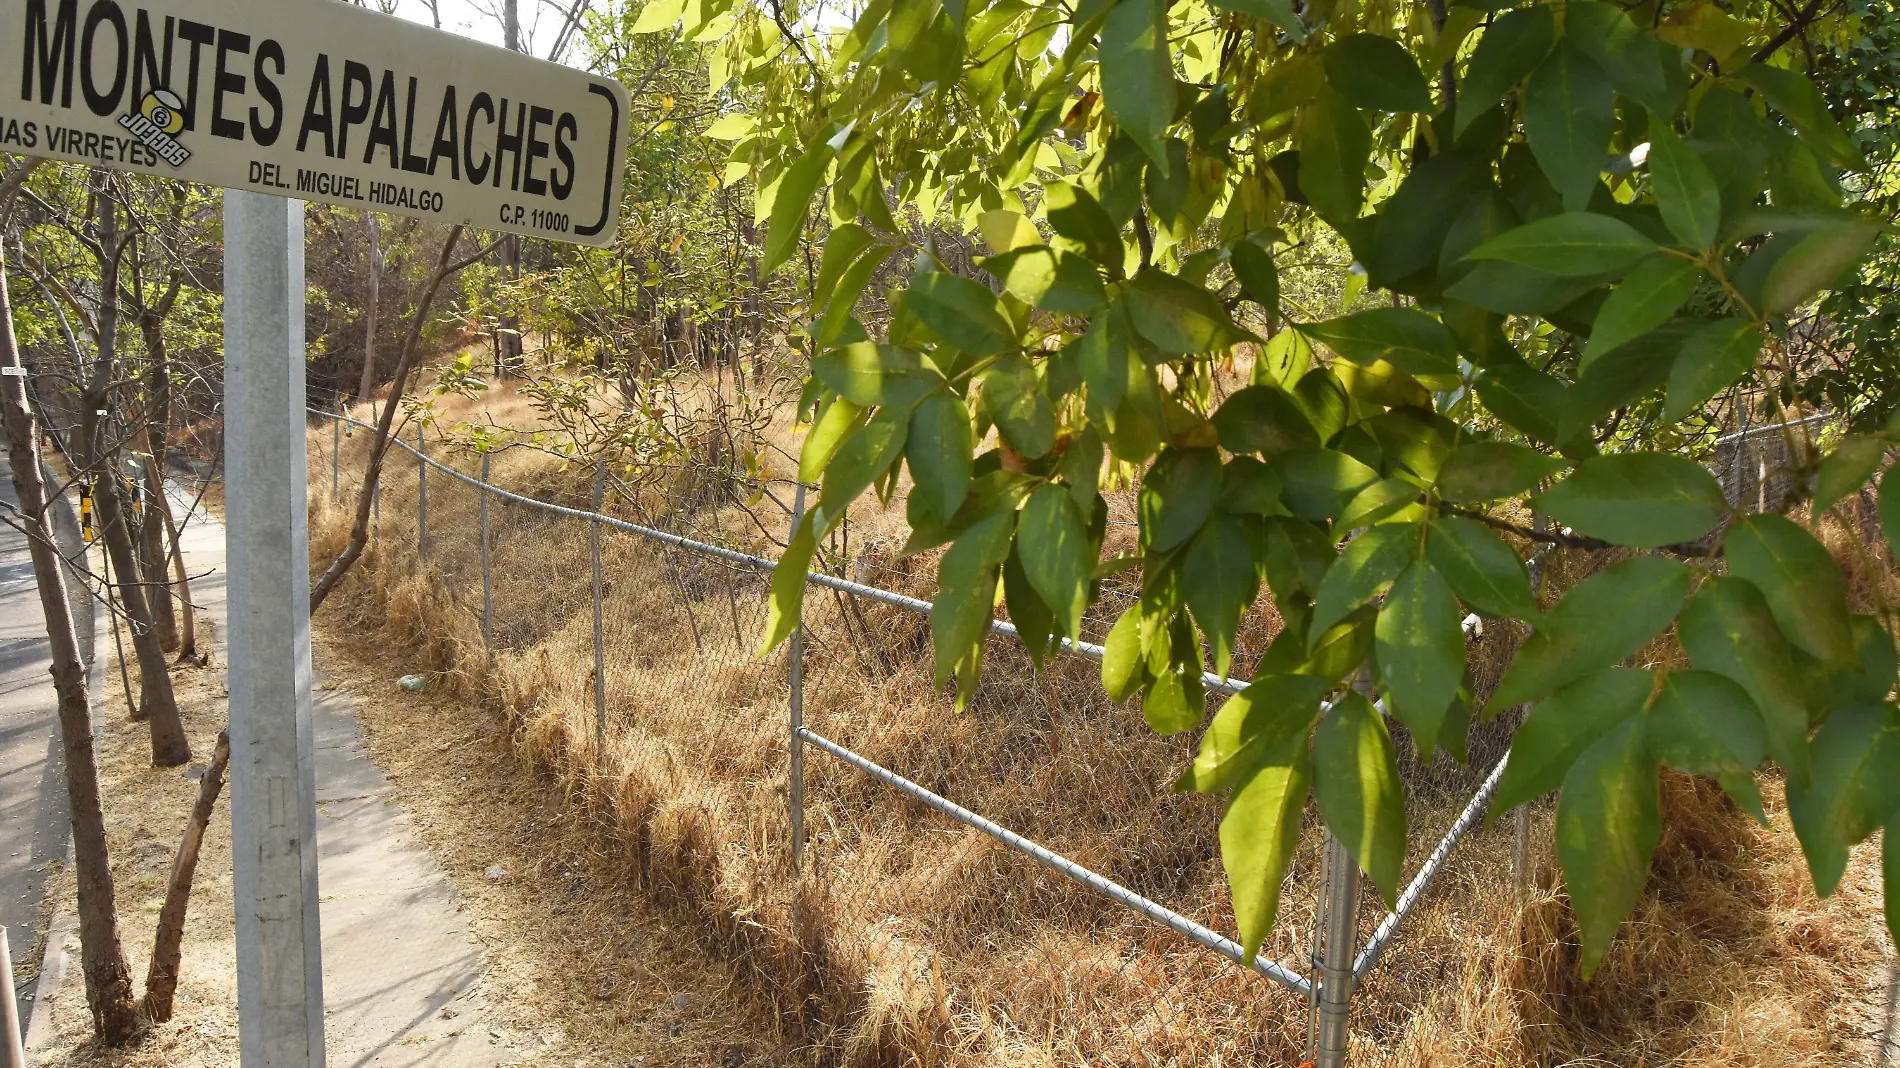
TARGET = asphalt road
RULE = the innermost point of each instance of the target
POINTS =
(32, 778)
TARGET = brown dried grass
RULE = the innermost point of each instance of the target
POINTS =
(912, 941)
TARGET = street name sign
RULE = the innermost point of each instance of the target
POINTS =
(316, 100)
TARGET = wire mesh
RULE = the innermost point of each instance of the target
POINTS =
(946, 939)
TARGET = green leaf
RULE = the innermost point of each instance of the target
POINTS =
(1482, 471)
(1603, 619)
(1074, 213)
(1890, 507)
(961, 615)
(1137, 76)
(1642, 499)
(1728, 629)
(1175, 701)
(1014, 398)
(1278, 12)
(1282, 361)
(1419, 647)
(786, 604)
(1385, 501)
(1796, 97)
(1643, 301)
(1356, 777)
(1249, 487)
(1703, 723)
(1055, 281)
(962, 312)
(1123, 666)
(859, 373)
(1335, 144)
(1852, 791)
(1219, 580)
(1715, 354)
(1569, 114)
(940, 451)
(1815, 262)
(1868, 680)
(1376, 73)
(1574, 244)
(1177, 316)
(1364, 568)
(837, 421)
(1849, 467)
(1509, 50)
(1264, 420)
(1259, 278)
(790, 201)
(1054, 543)
(1800, 581)
(1414, 225)
(861, 460)
(1250, 726)
(1035, 624)
(1608, 826)
(1319, 483)
(1176, 496)
(1259, 833)
(1407, 338)
(1560, 728)
(1686, 193)
(843, 247)
(1483, 571)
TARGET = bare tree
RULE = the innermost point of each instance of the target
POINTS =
(102, 956)
(372, 223)
(157, 704)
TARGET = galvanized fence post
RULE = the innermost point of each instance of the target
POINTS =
(422, 495)
(488, 584)
(1341, 918)
(1521, 818)
(795, 772)
(336, 453)
(600, 643)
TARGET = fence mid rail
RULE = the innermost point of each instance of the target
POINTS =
(1338, 962)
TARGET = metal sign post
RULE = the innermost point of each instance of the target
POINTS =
(318, 101)
(273, 773)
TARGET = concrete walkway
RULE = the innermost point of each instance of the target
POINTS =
(33, 816)
(395, 951)
(400, 971)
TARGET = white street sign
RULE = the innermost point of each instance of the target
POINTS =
(316, 100)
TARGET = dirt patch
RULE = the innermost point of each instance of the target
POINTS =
(146, 810)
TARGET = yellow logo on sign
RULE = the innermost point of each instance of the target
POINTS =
(163, 109)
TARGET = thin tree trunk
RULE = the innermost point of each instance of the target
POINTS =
(188, 643)
(170, 747)
(379, 445)
(102, 957)
(368, 381)
(158, 417)
(177, 594)
(161, 979)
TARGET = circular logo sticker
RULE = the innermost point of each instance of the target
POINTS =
(163, 109)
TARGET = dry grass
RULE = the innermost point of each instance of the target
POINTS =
(912, 941)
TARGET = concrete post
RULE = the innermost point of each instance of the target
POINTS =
(273, 779)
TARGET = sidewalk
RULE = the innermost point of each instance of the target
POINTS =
(400, 971)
